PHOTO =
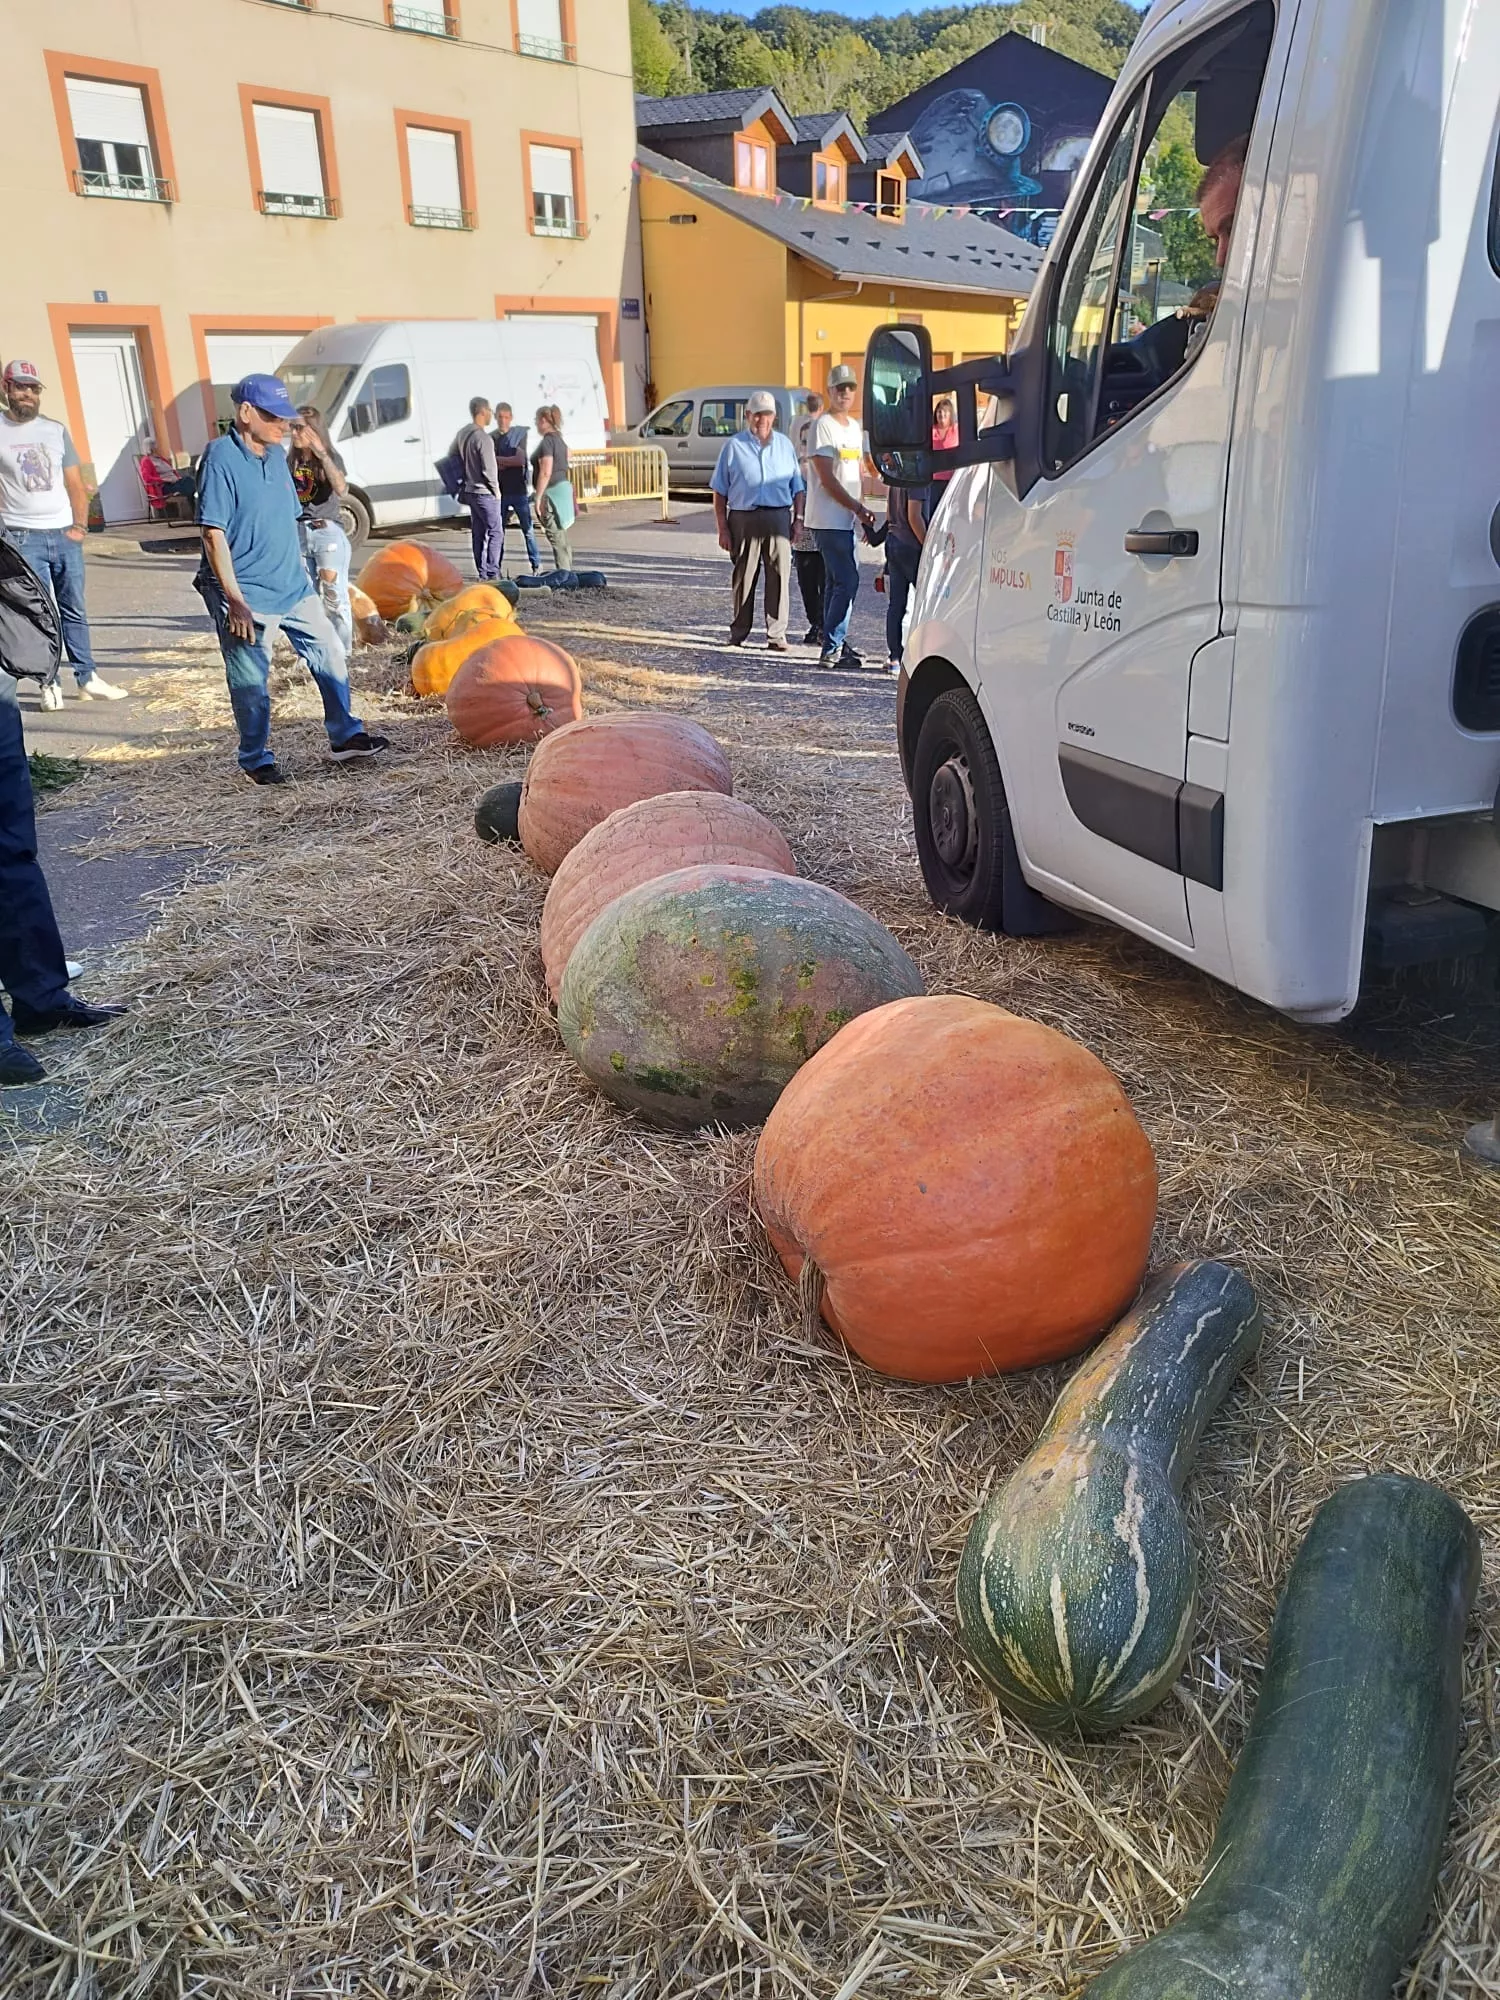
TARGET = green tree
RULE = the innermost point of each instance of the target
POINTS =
(653, 58)
(1172, 186)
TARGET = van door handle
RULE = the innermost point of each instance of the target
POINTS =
(412, 440)
(1162, 542)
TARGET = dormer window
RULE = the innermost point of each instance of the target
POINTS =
(752, 166)
(828, 182)
(890, 196)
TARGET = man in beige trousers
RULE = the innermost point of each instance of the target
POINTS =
(759, 495)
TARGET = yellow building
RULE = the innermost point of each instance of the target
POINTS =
(191, 185)
(773, 246)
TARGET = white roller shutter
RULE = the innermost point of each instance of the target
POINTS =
(290, 159)
(552, 171)
(539, 26)
(108, 111)
(433, 160)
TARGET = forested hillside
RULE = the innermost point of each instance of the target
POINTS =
(818, 59)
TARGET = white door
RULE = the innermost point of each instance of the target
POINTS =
(233, 356)
(1104, 581)
(116, 418)
(383, 442)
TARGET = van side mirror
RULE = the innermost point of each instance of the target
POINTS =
(899, 389)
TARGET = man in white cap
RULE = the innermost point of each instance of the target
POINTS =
(758, 500)
(45, 507)
(836, 508)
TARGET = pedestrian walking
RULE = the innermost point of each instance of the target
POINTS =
(759, 495)
(805, 558)
(835, 509)
(44, 507)
(33, 967)
(510, 462)
(254, 580)
(552, 485)
(318, 476)
(907, 531)
(479, 490)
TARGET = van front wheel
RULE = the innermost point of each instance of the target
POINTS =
(960, 813)
(355, 518)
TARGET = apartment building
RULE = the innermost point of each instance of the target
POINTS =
(191, 185)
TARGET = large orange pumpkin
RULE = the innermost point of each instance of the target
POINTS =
(408, 576)
(436, 661)
(640, 841)
(971, 1189)
(585, 772)
(480, 598)
(512, 689)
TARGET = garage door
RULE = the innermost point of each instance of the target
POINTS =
(232, 356)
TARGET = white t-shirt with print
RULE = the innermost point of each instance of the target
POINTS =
(840, 440)
(32, 458)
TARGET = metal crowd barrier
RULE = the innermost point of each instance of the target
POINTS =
(619, 472)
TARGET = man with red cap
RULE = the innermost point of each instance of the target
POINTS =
(45, 509)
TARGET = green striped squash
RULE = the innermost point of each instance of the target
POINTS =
(1323, 1868)
(1078, 1583)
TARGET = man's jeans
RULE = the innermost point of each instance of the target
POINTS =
(486, 533)
(519, 504)
(840, 584)
(58, 561)
(247, 668)
(902, 559)
(326, 547)
(33, 969)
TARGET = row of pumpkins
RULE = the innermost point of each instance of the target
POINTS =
(959, 1191)
(499, 684)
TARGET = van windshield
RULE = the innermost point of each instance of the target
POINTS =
(324, 384)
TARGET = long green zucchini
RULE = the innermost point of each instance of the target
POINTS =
(1326, 1857)
(1078, 1584)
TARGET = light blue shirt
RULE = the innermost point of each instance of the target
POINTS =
(252, 498)
(752, 474)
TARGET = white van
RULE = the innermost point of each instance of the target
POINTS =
(691, 426)
(1207, 642)
(394, 394)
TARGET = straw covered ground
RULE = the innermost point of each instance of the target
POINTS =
(434, 1561)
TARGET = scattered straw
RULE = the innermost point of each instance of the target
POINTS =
(437, 1562)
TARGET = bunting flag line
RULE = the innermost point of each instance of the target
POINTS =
(959, 210)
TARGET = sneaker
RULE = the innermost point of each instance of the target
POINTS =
(70, 1012)
(267, 774)
(74, 970)
(18, 1065)
(97, 688)
(834, 661)
(51, 695)
(811, 637)
(359, 747)
(777, 646)
(849, 658)
(893, 665)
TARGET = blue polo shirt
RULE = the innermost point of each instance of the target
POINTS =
(752, 474)
(253, 500)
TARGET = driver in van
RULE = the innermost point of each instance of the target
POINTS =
(1165, 347)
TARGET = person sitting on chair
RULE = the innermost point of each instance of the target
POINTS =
(162, 479)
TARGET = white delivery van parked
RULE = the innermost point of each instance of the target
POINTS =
(1206, 639)
(394, 394)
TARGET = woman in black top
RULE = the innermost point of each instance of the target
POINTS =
(552, 486)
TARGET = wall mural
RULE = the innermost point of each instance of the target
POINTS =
(1005, 132)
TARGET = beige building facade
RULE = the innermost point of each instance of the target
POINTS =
(191, 185)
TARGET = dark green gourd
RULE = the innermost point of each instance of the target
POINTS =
(1078, 1583)
(1323, 1868)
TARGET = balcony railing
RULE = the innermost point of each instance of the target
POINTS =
(421, 217)
(123, 187)
(571, 226)
(419, 20)
(322, 207)
(545, 47)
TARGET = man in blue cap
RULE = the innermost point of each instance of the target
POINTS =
(254, 581)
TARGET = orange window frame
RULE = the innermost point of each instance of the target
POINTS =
(746, 153)
(203, 324)
(580, 202)
(145, 323)
(252, 94)
(425, 121)
(90, 69)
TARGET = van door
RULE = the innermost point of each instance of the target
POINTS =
(671, 427)
(719, 418)
(382, 442)
(1104, 581)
